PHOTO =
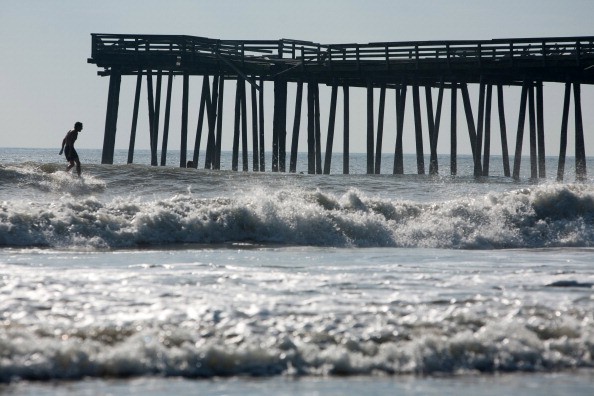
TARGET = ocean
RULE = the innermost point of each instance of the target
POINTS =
(140, 280)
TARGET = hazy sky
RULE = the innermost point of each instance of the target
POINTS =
(46, 83)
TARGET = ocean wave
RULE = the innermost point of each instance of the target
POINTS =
(48, 178)
(542, 216)
(254, 343)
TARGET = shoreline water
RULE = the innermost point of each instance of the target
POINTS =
(135, 277)
(550, 384)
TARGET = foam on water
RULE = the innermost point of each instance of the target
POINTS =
(538, 216)
(202, 320)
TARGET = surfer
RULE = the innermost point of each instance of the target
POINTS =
(68, 147)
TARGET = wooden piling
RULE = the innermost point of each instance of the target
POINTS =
(345, 125)
(219, 120)
(183, 147)
(244, 129)
(261, 127)
(157, 113)
(255, 147)
(166, 123)
(134, 118)
(282, 125)
(330, 135)
(151, 109)
(478, 169)
(380, 130)
(532, 123)
(111, 117)
(433, 127)
(236, 128)
(564, 122)
(318, 130)
(311, 137)
(453, 131)
(487, 141)
(418, 130)
(398, 151)
(211, 107)
(480, 123)
(540, 130)
(370, 127)
(296, 126)
(520, 134)
(580, 151)
(204, 97)
(434, 166)
(503, 130)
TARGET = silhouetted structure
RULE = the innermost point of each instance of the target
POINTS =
(396, 66)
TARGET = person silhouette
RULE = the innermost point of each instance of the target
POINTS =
(68, 147)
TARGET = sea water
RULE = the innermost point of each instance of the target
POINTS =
(165, 280)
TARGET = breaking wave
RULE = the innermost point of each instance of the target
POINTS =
(539, 216)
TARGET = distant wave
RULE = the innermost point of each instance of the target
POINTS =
(541, 216)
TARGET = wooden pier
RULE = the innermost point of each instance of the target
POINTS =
(399, 67)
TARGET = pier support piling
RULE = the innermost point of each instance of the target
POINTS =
(580, 152)
(134, 119)
(563, 142)
(520, 134)
(111, 117)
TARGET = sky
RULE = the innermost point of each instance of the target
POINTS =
(46, 83)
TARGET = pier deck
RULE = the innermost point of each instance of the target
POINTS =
(387, 65)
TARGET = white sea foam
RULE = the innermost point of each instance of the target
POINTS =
(541, 216)
(233, 321)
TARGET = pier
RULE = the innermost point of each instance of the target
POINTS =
(404, 69)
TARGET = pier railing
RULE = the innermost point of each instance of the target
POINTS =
(178, 53)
